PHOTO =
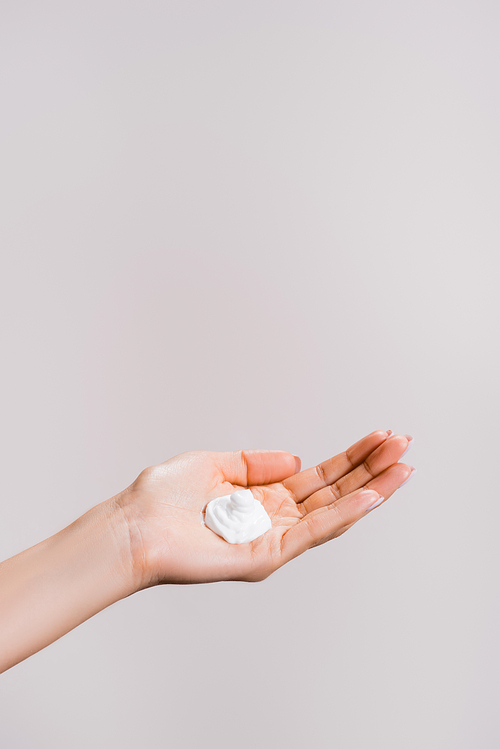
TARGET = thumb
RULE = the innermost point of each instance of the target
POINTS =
(255, 467)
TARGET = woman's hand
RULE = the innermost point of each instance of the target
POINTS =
(153, 533)
(170, 544)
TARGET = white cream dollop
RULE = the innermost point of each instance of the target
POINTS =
(237, 517)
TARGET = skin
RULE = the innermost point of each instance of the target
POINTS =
(152, 533)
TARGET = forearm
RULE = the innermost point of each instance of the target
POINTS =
(52, 587)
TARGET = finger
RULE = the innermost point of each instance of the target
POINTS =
(327, 522)
(256, 467)
(393, 480)
(386, 454)
(303, 484)
(386, 484)
(322, 524)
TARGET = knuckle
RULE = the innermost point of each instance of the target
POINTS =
(335, 490)
(320, 472)
(368, 469)
(337, 511)
(349, 458)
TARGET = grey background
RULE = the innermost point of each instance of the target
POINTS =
(260, 224)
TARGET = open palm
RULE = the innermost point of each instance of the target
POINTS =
(165, 505)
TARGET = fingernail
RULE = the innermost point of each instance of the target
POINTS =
(389, 432)
(413, 470)
(410, 443)
(298, 463)
(376, 504)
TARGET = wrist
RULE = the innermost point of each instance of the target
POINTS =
(95, 552)
(108, 528)
(126, 525)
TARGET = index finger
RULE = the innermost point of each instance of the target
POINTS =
(303, 484)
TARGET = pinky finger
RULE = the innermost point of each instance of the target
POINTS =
(320, 525)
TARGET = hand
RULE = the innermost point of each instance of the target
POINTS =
(153, 533)
(170, 544)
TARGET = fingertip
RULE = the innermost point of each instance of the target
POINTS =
(376, 503)
(411, 474)
(298, 463)
(410, 443)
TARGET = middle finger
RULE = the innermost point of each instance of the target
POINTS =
(302, 485)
